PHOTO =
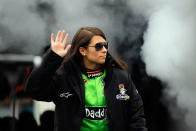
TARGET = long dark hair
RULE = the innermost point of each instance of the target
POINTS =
(82, 38)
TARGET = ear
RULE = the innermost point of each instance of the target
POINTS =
(82, 51)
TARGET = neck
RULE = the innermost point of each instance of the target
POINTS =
(91, 65)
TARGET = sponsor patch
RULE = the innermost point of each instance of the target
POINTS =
(122, 95)
(95, 113)
(92, 75)
(66, 95)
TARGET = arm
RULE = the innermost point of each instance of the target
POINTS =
(41, 82)
(136, 118)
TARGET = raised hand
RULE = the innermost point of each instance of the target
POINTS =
(58, 46)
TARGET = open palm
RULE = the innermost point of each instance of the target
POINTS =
(58, 46)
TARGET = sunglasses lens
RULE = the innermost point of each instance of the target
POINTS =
(99, 46)
(106, 45)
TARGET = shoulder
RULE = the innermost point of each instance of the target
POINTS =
(67, 69)
(60, 71)
(121, 74)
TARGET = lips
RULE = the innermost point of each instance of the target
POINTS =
(103, 57)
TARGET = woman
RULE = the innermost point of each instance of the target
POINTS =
(90, 88)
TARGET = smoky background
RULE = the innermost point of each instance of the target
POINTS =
(155, 37)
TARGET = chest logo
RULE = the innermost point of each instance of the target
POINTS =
(96, 113)
(66, 95)
(122, 95)
(92, 75)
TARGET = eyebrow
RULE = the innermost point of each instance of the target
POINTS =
(101, 42)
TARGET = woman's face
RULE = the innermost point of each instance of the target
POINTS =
(91, 55)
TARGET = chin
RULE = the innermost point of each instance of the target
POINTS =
(101, 62)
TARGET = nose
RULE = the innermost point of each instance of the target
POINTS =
(104, 49)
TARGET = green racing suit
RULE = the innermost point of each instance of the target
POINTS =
(95, 105)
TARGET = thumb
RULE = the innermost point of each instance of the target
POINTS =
(67, 49)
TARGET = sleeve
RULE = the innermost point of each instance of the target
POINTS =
(40, 84)
(136, 118)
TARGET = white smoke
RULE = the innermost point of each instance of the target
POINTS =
(22, 27)
(73, 15)
(26, 26)
(169, 51)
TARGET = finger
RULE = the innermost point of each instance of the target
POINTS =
(58, 35)
(67, 48)
(62, 35)
(66, 37)
(52, 38)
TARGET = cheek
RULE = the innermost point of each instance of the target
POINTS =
(93, 55)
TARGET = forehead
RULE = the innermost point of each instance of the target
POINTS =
(95, 39)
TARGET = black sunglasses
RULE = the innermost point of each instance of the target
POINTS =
(99, 46)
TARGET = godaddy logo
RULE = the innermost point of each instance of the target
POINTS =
(95, 113)
(91, 75)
